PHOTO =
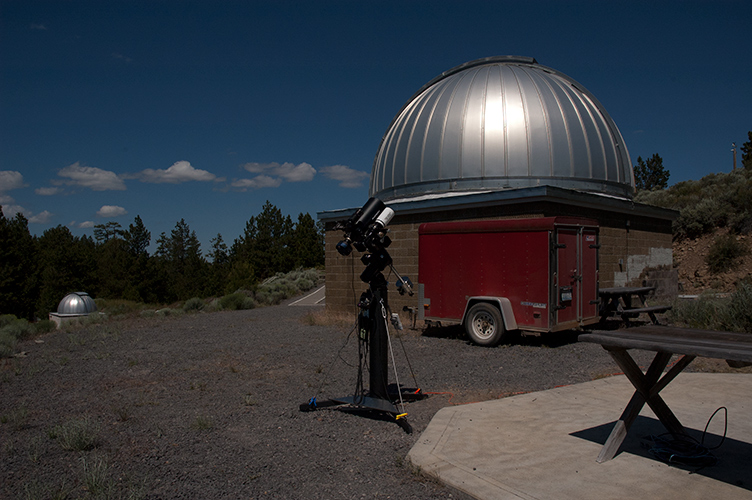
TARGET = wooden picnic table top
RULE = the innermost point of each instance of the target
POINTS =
(687, 341)
(625, 290)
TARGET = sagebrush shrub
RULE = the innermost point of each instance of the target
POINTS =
(740, 308)
(710, 312)
(7, 344)
(6, 319)
(699, 219)
(19, 328)
(193, 304)
(236, 301)
(716, 200)
(724, 253)
(44, 326)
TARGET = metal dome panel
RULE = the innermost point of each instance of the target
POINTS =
(77, 303)
(496, 123)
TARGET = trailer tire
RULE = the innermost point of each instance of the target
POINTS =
(484, 324)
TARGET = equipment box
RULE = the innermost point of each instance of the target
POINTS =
(495, 276)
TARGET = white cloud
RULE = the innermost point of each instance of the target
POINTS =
(347, 177)
(91, 177)
(257, 168)
(10, 179)
(111, 211)
(47, 191)
(41, 218)
(290, 172)
(297, 173)
(181, 171)
(10, 210)
(260, 181)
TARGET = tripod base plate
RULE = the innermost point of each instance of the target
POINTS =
(368, 402)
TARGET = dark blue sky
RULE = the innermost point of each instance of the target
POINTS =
(204, 110)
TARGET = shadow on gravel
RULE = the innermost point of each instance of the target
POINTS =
(454, 332)
(551, 339)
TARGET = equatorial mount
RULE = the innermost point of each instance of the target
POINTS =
(366, 232)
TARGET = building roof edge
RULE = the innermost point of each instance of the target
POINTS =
(481, 199)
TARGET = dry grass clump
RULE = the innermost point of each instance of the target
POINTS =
(711, 312)
(76, 434)
(324, 317)
(13, 330)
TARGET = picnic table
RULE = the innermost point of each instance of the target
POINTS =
(619, 301)
(666, 341)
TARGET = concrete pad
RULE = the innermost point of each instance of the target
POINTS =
(543, 445)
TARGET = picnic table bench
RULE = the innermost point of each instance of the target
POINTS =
(666, 341)
(619, 301)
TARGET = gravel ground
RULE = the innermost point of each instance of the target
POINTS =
(207, 406)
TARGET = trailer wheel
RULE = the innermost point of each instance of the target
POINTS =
(484, 325)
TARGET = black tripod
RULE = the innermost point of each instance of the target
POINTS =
(373, 331)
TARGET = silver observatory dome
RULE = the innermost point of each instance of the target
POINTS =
(78, 303)
(500, 123)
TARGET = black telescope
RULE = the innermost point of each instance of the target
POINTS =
(365, 229)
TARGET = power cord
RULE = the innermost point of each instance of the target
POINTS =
(725, 427)
(686, 450)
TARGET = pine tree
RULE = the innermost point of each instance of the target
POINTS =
(18, 267)
(650, 174)
(137, 237)
(747, 152)
(271, 252)
(114, 268)
(219, 268)
(307, 243)
(143, 283)
(103, 232)
(179, 258)
(263, 249)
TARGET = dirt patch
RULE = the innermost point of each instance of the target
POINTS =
(694, 274)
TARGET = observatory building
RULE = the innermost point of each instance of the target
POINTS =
(73, 306)
(505, 137)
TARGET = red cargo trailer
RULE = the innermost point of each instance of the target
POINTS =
(495, 276)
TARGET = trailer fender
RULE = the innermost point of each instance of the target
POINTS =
(504, 305)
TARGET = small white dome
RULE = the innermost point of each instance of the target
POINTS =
(77, 303)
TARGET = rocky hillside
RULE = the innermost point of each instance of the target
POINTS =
(694, 274)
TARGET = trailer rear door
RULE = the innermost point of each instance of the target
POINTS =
(577, 275)
(567, 273)
(589, 273)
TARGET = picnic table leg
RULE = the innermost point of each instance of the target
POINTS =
(608, 308)
(647, 387)
(621, 427)
(644, 300)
